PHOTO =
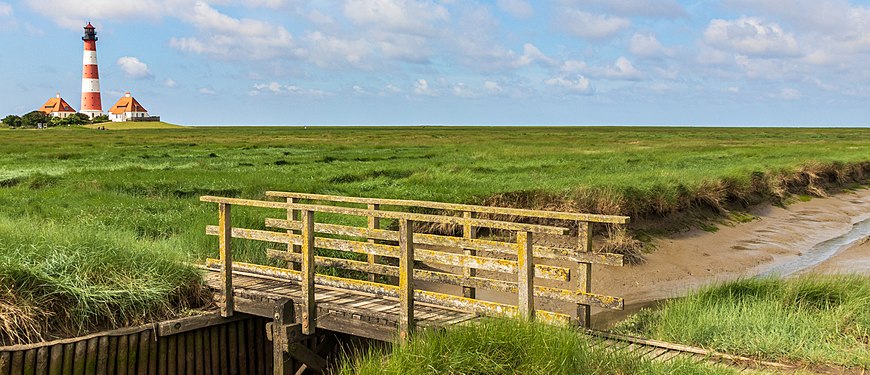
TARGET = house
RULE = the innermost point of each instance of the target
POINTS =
(127, 109)
(57, 107)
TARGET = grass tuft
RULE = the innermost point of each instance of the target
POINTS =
(813, 318)
(501, 346)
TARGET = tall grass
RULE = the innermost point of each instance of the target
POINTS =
(814, 319)
(65, 279)
(497, 346)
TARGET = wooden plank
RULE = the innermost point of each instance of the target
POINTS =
(458, 207)
(199, 352)
(214, 349)
(91, 358)
(226, 256)
(459, 260)
(181, 353)
(132, 353)
(55, 361)
(141, 363)
(112, 358)
(584, 273)
(102, 355)
(445, 300)
(233, 347)
(570, 255)
(29, 362)
(309, 306)
(293, 216)
(80, 359)
(224, 348)
(507, 225)
(468, 232)
(373, 223)
(191, 323)
(525, 276)
(447, 278)
(41, 365)
(244, 348)
(190, 352)
(152, 353)
(406, 278)
(17, 362)
(172, 354)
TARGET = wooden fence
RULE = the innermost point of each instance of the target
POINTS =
(198, 345)
(506, 260)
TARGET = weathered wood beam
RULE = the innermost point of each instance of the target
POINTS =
(570, 216)
(309, 312)
(406, 279)
(226, 255)
(525, 273)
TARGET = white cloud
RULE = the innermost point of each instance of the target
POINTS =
(633, 8)
(751, 36)
(492, 87)
(623, 69)
(517, 8)
(578, 84)
(421, 87)
(276, 88)
(169, 82)
(406, 16)
(461, 90)
(207, 91)
(532, 54)
(133, 67)
(75, 14)
(591, 26)
(647, 46)
(390, 89)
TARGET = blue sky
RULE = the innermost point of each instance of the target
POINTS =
(409, 62)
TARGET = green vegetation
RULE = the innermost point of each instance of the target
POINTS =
(143, 184)
(809, 319)
(133, 125)
(496, 346)
(57, 277)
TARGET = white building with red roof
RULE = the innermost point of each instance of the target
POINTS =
(127, 109)
(57, 107)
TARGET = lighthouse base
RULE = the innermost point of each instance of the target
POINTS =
(92, 114)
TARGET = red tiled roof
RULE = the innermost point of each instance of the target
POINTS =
(127, 103)
(56, 104)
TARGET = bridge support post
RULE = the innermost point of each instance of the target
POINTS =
(468, 231)
(584, 274)
(526, 276)
(286, 342)
(374, 223)
(309, 312)
(406, 278)
(226, 256)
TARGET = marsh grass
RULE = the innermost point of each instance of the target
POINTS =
(83, 195)
(810, 319)
(64, 280)
(498, 346)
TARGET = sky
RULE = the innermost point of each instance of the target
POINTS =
(451, 62)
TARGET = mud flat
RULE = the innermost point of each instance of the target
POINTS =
(824, 235)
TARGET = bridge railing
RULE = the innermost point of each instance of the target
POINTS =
(408, 250)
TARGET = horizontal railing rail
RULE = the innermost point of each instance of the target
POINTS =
(571, 216)
(396, 257)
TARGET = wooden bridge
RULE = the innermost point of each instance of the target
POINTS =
(379, 268)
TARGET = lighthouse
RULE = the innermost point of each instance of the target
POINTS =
(91, 104)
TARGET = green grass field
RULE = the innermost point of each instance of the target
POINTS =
(811, 319)
(142, 185)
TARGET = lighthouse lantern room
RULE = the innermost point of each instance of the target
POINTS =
(91, 104)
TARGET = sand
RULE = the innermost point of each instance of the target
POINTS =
(779, 236)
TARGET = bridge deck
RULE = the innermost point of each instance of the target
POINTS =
(346, 311)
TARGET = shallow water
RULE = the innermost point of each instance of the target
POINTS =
(821, 252)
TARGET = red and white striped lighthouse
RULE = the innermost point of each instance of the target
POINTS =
(91, 103)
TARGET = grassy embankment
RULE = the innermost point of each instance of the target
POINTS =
(810, 319)
(138, 125)
(496, 346)
(143, 184)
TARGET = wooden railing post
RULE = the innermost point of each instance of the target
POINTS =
(406, 278)
(226, 256)
(374, 223)
(525, 275)
(584, 272)
(293, 215)
(309, 312)
(469, 231)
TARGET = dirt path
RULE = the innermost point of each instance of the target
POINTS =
(781, 237)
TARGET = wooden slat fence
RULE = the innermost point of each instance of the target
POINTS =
(405, 252)
(206, 344)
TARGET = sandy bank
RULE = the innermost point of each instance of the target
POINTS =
(779, 237)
